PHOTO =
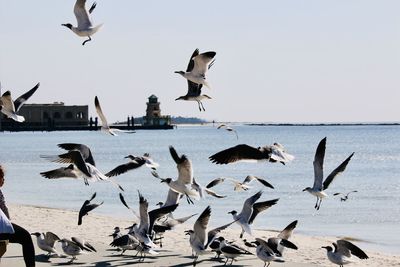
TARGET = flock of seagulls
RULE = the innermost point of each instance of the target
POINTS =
(145, 235)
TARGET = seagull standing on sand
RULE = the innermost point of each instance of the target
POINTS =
(194, 89)
(197, 69)
(10, 108)
(231, 251)
(85, 27)
(267, 251)
(342, 252)
(319, 186)
(200, 239)
(46, 241)
(250, 211)
(87, 207)
(239, 186)
(75, 247)
(243, 152)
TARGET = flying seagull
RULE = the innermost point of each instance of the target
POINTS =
(250, 211)
(134, 163)
(83, 165)
(239, 186)
(87, 207)
(320, 185)
(198, 66)
(227, 128)
(46, 241)
(342, 252)
(183, 185)
(194, 89)
(85, 27)
(243, 152)
(200, 239)
(345, 196)
(10, 108)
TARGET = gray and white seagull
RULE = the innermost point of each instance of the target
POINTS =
(250, 211)
(201, 63)
(341, 252)
(320, 186)
(194, 89)
(85, 27)
(270, 153)
(10, 108)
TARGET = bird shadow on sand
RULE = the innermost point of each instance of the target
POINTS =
(67, 263)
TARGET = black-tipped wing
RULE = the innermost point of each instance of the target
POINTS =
(82, 244)
(92, 7)
(93, 196)
(250, 178)
(236, 153)
(121, 197)
(123, 168)
(157, 213)
(23, 98)
(319, 164)
(201, 223)
(287, 232)
(123, 241)
(84, 149)
(337, 171)
(213, 233)
(261, 206)
(356, 251)
(60, 173)
(215, 182)
(85, 209)
(174, 155)
(287, 244)
(75, 157)
(191, 61)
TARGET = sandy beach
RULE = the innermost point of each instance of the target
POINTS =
(175, 251)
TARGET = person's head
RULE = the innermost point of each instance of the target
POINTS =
(1, 176)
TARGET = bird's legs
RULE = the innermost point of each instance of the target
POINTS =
(195, 260)
(232, 261)
(123, 251)
(241, 234)
(189, 200)
(198, 103)
(226, 261)
(72, 260)
(319, 205)
(202, 106)
(316, 203)
(87, 40)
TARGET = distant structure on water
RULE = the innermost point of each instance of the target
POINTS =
(153, 114)
(60, 117)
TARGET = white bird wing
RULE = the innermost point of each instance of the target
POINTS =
(101, 114)
(185, 172)
(7, 102)
(23, 98)
(82, 15)
(144, 215)
(248, 206)
(318, 164)
(202, 62)
(200, 225)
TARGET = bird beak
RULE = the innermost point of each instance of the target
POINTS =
(230, 212)
(163, 181)
(304, 189)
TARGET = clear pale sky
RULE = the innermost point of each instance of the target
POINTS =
(277, 61)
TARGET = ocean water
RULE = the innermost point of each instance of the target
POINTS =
(372, 214)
